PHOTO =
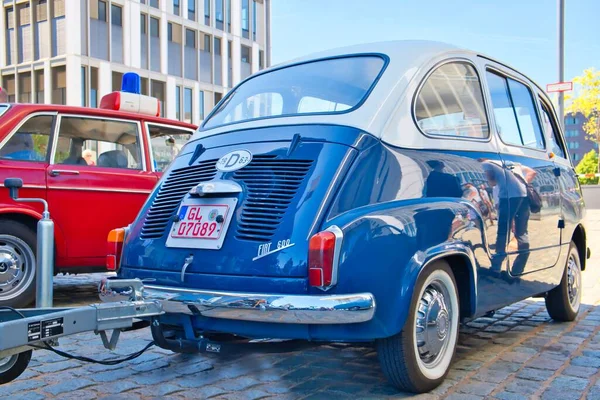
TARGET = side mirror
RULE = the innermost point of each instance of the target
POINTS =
(13, 185)
(170, 141)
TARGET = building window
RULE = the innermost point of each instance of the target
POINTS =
(245, 21)
(205, 59)
(154, 3)
(41, 40)
(9, 87)
(178, 103)
(116, 15)
(11, 50)
(93, 87)
(25, 88)
(144, 86)
(246, 54)
(219, 14)
(157, 90)
(201, 105)
(154, 45)
(176, 9)
(254, 22)
(117, 80)
(59, 36)
(228, 11)
(84, 99)
(144, 41)
(192, 10)
(175, 48)
(261, 59)
(39, 86)
(116, 20)
(102, 11)
(190, 55)
(207, 12)
(24, 33)
(187, 105)
(218, 62)
(218, 97)
(59, 85)
(99, 29)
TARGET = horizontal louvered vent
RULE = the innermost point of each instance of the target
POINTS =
(271, 186)
(170, 194)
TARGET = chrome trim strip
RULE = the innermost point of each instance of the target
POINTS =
(92, 189)
(149, 138)
(113, 119)
(28, 186)
(258, 307)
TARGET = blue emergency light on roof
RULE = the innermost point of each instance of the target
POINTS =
(131, 83)
(130, 98)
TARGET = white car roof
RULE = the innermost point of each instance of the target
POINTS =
(392, 95)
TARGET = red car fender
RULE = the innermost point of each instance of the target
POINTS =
(59, 239)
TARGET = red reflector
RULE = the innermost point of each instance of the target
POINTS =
(114, 246)
(321, 251)
(111, 263)
(111, 101)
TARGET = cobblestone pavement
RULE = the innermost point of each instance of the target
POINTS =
(519, 353)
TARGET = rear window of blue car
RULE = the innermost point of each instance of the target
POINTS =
(329, 86)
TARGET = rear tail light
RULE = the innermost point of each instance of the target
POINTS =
(323, 257)
(114, 248)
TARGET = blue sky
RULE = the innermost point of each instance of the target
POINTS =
(521, 33)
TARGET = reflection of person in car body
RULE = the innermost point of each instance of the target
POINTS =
(513, 208)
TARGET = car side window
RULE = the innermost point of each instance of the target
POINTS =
(98, 142)
(550, 126)
(517, 122)
(166, 143)
(30, 142)
(450, 103)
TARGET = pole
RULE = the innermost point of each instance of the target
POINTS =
(45, 262)
(268, 32)
(561, 60)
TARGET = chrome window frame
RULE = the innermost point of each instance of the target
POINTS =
(80, 116)
(486, 106)
(498, 71)
(149, 139)
(23, 122)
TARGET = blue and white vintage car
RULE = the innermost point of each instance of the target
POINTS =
(379, 193)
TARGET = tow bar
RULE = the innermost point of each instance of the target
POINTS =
(22, 330)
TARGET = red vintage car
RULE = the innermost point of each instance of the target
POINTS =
(95, 168)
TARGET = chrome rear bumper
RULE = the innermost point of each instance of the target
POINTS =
(268, 308)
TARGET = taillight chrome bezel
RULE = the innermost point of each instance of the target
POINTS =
(337, 249)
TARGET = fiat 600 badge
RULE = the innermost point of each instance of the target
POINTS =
(379, 193)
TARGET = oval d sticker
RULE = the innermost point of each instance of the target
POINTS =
(234, 160)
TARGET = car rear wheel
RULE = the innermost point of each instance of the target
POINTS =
(418, 358)
(563, 301)
(17, 264)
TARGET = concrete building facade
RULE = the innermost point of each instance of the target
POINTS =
(188, 52)
(577, 140)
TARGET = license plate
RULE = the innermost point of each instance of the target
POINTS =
(201, 223)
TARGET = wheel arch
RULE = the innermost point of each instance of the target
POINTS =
(462, 262)
(30, 219)
(580, 240)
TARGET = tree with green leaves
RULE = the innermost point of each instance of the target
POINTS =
(588, 165)
(586, 100)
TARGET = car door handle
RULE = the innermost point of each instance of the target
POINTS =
(57, 172)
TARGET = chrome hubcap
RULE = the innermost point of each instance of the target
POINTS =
(7, 363)
(433, 323)
(17, 266)
(573, 281)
